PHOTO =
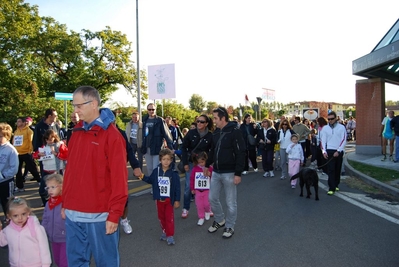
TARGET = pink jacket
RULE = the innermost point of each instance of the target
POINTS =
(192, 175)
(27, 246)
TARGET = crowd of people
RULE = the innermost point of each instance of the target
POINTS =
(215, 153)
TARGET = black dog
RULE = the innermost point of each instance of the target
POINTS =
(308, 177)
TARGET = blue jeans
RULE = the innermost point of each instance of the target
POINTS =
(283, 162)
(225, 181)
(187, 191)
(84, 239)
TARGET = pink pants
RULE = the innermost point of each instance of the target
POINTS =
(293, 168)
(166, 216)
(202, 203)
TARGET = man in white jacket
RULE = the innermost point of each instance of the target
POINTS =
(333, 141)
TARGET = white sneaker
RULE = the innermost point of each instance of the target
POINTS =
(126, 226)
(256, 170)
(271, 173)
(207, 216)
(200, 222)
(184, 214)
(244, 172)
(266, 174)
(282, 177)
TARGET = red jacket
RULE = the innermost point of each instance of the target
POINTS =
(95, 178)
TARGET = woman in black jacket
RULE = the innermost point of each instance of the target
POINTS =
(266, 139)
(249, 131)
(195, 141)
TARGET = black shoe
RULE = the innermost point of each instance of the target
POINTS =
(215, 226)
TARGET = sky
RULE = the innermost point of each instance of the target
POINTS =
(226, 49)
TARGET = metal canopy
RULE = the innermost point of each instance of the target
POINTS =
(383, 61)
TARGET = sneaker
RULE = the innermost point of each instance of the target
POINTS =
(126, 226)
(330, 193)
(207, 216)
(384, 158)
(16, 190)
(266, 174)
(215, 226)
(228, 232)
(244, 172)
(184, 214)
(170, 240)
(200, 221)
(390, 158)
(271, 173)
(336, 189)
(211, 213)
(282, 177)
(163, 237)
(256, 170)
(293, 186)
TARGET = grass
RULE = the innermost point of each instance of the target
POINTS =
(380, 174)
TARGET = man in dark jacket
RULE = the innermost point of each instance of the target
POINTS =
(156, 135)
(228, 157)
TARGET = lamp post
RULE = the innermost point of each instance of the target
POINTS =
(138, 66)
(259, 99)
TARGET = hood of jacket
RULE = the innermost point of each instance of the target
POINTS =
(104, 120)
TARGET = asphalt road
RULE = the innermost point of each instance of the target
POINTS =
(275, 227)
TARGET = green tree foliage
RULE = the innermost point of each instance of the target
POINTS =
(197, 103)
(40, 57)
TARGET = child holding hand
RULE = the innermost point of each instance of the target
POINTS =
(295, 158)
(199, 185)
(166, 192)
(25, 237)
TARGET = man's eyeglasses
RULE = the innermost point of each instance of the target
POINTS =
(81, 104)
(330, 119)
(198, 121)
(151, 109)
(51, 187)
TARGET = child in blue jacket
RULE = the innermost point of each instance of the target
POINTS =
(165, 182)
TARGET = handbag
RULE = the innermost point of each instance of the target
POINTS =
(180, 166)
(251, 138)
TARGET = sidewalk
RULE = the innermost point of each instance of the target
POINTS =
(374, 160)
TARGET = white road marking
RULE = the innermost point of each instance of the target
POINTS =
(346, 196)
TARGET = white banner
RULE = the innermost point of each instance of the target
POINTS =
(269, 94)
(161, 81)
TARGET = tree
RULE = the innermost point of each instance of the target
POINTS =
(197, 103)
(40, 57)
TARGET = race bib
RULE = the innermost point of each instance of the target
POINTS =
(48, 155)
(164, 186)
(18, 140)
(201, 181)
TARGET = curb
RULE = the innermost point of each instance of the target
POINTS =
(369, 180)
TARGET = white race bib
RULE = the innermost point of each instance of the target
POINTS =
(164, 186)
(201, 181)
(18, 140)
(47, 153)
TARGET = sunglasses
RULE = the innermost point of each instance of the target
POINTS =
(284, 124)
(198, 121)
(330, 119)
(151, 109)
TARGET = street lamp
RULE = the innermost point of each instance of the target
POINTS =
(259, 99)
(138, 66)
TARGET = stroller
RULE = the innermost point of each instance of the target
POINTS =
(349, 136)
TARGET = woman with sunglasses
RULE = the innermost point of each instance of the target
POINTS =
(249, 128)
(196, 140)
(284, 139)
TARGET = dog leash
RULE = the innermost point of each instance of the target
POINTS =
(319, 167)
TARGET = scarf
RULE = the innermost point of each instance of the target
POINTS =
(54, 201)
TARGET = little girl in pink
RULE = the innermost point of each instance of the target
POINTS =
(295, 158)
(199, 185)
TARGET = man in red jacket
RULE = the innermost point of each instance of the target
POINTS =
(95, 183)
